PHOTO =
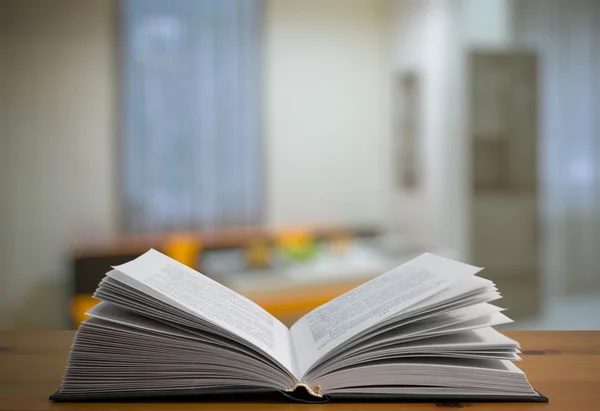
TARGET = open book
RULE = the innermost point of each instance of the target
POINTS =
(420, 331)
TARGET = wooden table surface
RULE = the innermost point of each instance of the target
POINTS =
(564, 365)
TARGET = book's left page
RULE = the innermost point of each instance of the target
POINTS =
(180, 286)
(162, 329)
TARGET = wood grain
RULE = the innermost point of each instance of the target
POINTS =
(564, 365)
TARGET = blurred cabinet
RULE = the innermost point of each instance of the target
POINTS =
(504, 195)
(505, 231)
(91, 262)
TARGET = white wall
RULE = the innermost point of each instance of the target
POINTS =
(327, 116)
(486, 23)
(57, 148)
(422, 43)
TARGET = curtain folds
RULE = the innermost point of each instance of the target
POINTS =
(191, 110)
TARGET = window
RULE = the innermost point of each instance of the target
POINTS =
(191, 152)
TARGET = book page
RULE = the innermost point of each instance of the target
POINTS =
(333, 323)
(180, 286)
(163, 342)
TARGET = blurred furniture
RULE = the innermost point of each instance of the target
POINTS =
(91, 262)
(290, 291)
(564, 365)
(504, 189)
(290, 301)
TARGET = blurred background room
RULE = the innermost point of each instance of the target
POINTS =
(293, 149)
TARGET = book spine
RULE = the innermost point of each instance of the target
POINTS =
(314, 390)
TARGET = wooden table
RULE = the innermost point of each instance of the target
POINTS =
(564, 365)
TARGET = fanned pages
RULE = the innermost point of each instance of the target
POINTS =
(422, 330)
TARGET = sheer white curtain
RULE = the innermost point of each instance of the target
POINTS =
(567, 36)
(191, 102)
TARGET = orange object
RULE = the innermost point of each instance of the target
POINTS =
(297, 244)
(183, 248)
(294, 237)
(299, 300)
(258, 254)
(80, 304)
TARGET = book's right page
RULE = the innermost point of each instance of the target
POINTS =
(330, 325)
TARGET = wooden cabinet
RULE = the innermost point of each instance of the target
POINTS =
(504, 196)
